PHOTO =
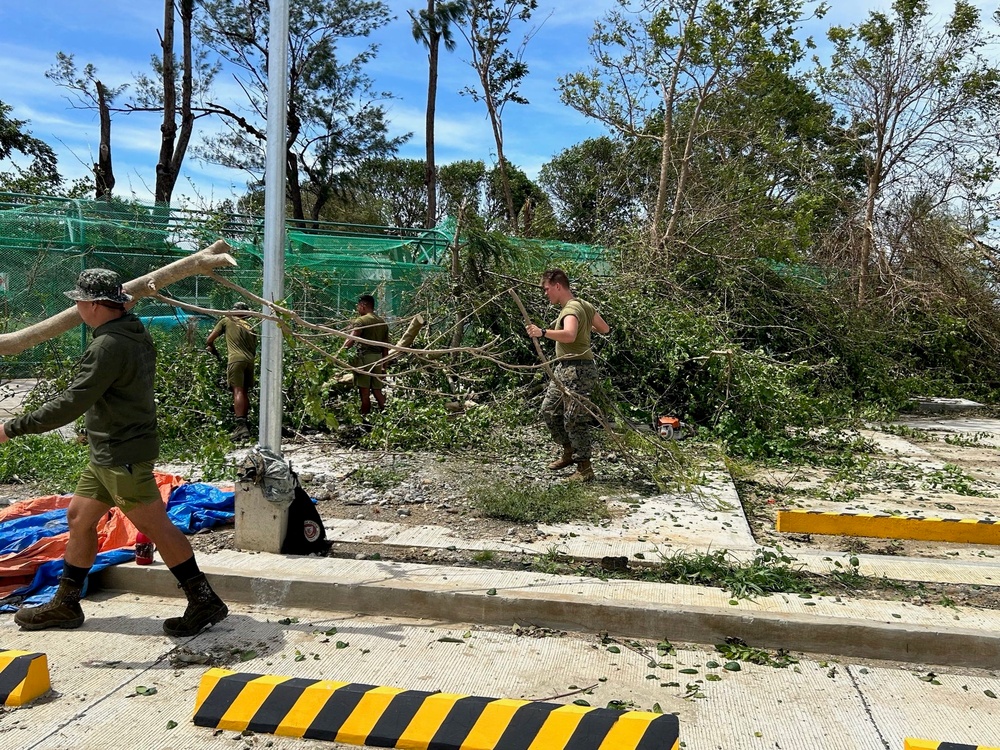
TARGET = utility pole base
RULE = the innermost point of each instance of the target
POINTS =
(261, 525)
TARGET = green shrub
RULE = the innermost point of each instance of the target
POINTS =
(50, 461)
(557, 503)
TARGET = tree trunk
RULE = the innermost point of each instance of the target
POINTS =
(868, 229)
(104, 176)
(666, 144)
(683, 173)
(174, 141)
(168, 128)
(294, 189)
(430, 169)
(214, 256)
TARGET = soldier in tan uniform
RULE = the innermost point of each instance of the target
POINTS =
(369, 326)
(241, 350)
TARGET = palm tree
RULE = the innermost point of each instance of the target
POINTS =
(431, 26)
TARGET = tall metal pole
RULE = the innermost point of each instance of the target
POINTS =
(274, 224)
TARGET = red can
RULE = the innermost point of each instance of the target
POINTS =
(143, 549)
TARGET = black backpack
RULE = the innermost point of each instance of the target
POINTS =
(305, 534)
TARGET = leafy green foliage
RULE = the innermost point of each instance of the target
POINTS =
(194, 405)
(41, 175)
(50, 461)
(737, 650)
(521, 503)
(770, 571)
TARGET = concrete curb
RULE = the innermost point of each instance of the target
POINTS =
(400, 595)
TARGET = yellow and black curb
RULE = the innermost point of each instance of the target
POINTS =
(24, 676)
(885, 526)
(360, 714)
(912, 744)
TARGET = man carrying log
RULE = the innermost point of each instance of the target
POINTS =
(114, 390)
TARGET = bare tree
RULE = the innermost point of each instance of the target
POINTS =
(90, 93)
(922, 108)
(160, 93)
(499, 69)
(660, 65)
(334, 120)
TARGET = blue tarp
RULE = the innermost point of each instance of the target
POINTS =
(191, 507)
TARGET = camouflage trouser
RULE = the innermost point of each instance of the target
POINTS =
(569, 420)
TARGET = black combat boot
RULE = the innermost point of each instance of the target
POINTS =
(63, 611)
(204, 609)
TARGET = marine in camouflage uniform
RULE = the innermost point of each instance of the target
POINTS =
(565, 409)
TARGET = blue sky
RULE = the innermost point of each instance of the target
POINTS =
(118, 37)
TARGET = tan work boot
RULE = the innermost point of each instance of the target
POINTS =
(566, 460)
(242, 431)
(63, 611)
(584, 472)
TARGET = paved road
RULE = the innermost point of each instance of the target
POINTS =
(830, 704)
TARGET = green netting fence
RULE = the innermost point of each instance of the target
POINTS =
(46, 241)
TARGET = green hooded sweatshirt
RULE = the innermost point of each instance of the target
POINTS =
(114, 388)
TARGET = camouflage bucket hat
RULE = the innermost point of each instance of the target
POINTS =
(98, 284)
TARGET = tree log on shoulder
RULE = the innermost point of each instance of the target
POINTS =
(216, 255)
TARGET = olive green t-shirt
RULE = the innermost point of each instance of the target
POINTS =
(584, 314)
(241, 341)
(371, 326)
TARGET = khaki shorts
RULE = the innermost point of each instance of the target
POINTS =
(123, 486)
(367, 362)
(240, 375)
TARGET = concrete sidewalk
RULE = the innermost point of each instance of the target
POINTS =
(97, 670)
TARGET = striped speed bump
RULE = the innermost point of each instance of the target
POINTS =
(884, 526)
(24, 676)
(911, 744)
(391, 717)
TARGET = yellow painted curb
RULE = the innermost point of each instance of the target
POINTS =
(392, 717)
(24, 676)
(882, 526)
(911, 744)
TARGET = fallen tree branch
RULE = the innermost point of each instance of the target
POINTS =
(204, 261)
